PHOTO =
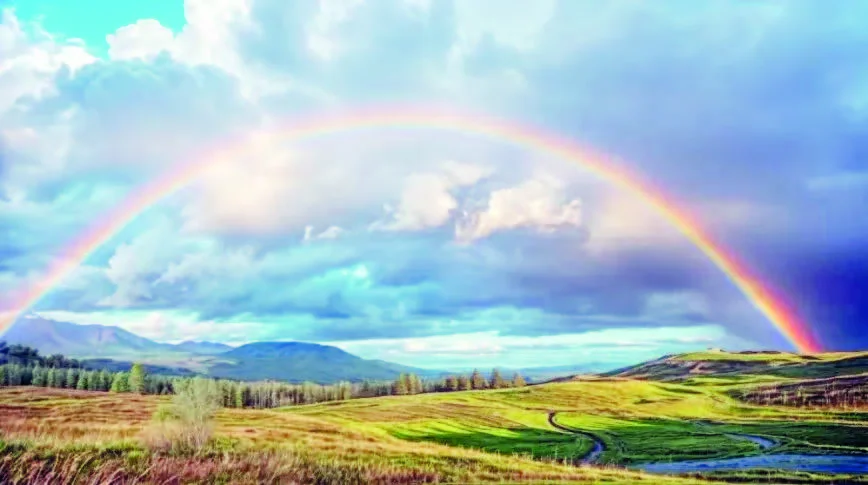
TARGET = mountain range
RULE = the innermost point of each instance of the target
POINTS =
(112, 347)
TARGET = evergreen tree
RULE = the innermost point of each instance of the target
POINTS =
(81, 385)
(105, 380)
(400, 386)
(464, 383)
(13, 375)
(3, 378)
(71, 379)
(451, 383)
(120, 383)
(476, 380)
(497, 381)
(59, 378)
(38, 376)
(136, 379)
(518, 380)
(93, 381)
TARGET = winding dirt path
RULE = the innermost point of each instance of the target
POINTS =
(591, 456)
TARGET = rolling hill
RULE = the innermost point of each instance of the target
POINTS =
(763, 364)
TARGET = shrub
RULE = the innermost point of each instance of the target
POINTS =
(185, 425)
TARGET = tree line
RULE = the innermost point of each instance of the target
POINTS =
(27, 368)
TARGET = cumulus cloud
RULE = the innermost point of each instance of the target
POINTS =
(538, 203)
(28, 63)
(428, 199)
(144, 39)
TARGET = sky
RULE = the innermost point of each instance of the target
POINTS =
(435, 248)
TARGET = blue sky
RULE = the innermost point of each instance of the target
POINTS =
(433, 248)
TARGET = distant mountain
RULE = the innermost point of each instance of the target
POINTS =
(53, 337)
(114, 348)
(302, 361)
(203, 348)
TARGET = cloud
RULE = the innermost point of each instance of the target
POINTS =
(538, 203)
(28, 63)
(144, 39)
(427, 199)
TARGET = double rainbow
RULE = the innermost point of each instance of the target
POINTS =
(774, 309)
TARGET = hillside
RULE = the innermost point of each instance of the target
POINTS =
(301, 361)
(767, 364)
(711, 425)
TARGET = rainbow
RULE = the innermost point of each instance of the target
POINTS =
(774, 309)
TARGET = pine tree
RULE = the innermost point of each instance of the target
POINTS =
(497, 381)
(518, 380)
(120, 383)
(71, 379)
(3, 378)
(136, 379)
(93, 381)
(38, 376)
(105, 380)
(13, 375)
(400, 386)
(476, 380)
(81, 385)
(451, 383)
(464, 383)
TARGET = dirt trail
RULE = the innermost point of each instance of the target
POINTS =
(598, 448)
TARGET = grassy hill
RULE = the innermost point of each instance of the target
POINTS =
(758, 365)
(538, 433)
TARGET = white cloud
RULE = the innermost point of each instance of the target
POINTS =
(427, 199)
(539, 203)
(322, 36)
(332, 232)
(30, 60)
(142, 40)
(130, 267)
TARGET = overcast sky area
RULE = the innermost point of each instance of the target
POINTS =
(440, 248)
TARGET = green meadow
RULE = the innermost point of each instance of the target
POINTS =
(596, 429)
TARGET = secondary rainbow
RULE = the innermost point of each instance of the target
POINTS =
(773, 308)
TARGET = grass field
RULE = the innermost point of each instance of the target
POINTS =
(496, 436)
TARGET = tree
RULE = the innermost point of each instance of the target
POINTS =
(120, 383)
(464, 383)
(71, 378)
(400, 386)
(187, 422)
(476, 380)
(451, 383)
(81, 385)
(136, 379)
(105, 380)
(3, 380)
(518, 380)
(497, 381)
(94, 381)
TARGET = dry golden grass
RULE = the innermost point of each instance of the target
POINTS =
(61, 436)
